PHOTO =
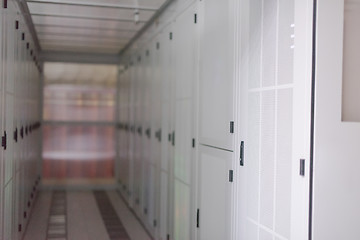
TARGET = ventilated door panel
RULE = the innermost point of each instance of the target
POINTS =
(273, 141)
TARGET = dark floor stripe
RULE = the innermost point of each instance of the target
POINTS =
(111, 220)
(57, 229)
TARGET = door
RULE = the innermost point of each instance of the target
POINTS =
(274, 100)
(336, 196)
(215, 212)
(216, 73)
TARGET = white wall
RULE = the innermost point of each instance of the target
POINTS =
(20, 113)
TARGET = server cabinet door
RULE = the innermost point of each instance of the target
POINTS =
(215, 191)
(216, 73)
(337, 129)
(274, 115)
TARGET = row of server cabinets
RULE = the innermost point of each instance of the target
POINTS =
(213, 118)
(19, 122)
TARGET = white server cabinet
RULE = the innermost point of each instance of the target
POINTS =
(122, 139)
(2, 20)
(156, 92)
(336, 194)
(275, 119)
(216, 71)
(185, 49)
(215, 194)
(164, 46)
(131, 137)
(138, 153)
(146, 136)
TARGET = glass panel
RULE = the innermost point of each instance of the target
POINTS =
(78, 134)
(79, 92)
(78, 151)
(351, 58)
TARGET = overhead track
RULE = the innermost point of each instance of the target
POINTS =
(97, 5)
(85, 17)
(85, 27)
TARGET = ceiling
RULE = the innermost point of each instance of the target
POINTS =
(89, 26)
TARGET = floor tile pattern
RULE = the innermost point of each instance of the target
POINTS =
(111, 220)
(57, 217)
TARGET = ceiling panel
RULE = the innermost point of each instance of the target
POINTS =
(96, 26)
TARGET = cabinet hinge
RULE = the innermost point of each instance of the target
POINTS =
(16, 24)
(302, 167)
(173, 138)
(231, 175)
(4, 140)
(169, 137)
(148, 132)
(154, 223)
(193, 142)
(16, 135)
(242, 153)
(171, 35)
(5, 4)
(231, 127)
(198, 218)
(195, 18)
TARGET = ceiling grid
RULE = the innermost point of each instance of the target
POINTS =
(90, 26)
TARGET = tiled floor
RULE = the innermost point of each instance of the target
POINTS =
(84, 221)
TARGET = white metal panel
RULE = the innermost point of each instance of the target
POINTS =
(2, 48)
(215, 193)
(184, 37)
(164, 203)
(217, 73)
(183, 162)
(336, 165)
(8, 127)
(182, 210)
(8, 211)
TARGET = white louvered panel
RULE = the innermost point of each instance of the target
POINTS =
(269, 120)
(286, 41)
(253, 156)
(267, 158)
(269, 42)
(265, 235)
(283, 162)
(255, 25)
